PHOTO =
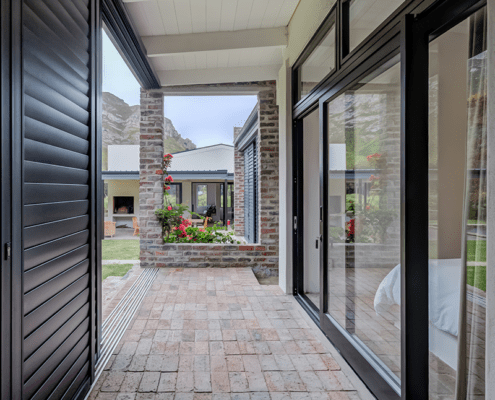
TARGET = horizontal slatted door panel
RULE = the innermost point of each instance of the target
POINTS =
(248, 193)
(56, 197)
(256, 192)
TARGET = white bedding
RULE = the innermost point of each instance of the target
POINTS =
(444, 293)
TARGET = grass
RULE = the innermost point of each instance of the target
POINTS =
(120, 249)
(115, 270)
(476, 276)
(476, 252)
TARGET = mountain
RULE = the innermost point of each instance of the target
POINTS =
(120, 125)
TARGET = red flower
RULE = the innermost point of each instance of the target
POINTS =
(167, 188)
(368, 207)
(350, 227)
(370, 157)
(228, 222)
(169, 208)
(169, 179)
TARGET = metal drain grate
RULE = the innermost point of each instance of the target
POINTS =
(116, 324)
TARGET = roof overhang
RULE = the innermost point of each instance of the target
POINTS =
(248, 131)
(119, 175)
(178, 175)
(202, 175)
(190, 42)
(127, 41)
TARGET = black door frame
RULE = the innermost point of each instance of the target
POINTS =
(407, 32)
(5, 194)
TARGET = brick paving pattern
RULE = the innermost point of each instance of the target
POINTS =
(216, 334)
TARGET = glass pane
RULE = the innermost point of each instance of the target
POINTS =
(363, 216)
(366, 15)
(311, 207)
(202, 195)
(230, 203)
(319, 64)
(457, 209)
(173, 194)
(230, 196)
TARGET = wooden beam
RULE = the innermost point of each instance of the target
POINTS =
(163, 45)
(218, 75)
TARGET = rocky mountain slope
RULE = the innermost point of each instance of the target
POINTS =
(120, 126)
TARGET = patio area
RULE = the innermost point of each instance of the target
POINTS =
(218, 334)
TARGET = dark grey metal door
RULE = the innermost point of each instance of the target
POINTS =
(54, 310)
(251, 192)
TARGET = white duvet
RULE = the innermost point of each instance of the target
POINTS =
(444, 293)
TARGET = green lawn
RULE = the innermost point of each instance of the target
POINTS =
(476, 276)
(476, 251)
(472, 247)
(120, 249)
(114, 270)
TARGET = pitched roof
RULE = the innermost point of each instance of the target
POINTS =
(208, 158)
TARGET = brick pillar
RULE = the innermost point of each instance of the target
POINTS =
(268, 196)
(150, 182)
(238, 187)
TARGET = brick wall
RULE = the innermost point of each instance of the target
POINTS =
(262, 256)
(150, 161)
(268, 194)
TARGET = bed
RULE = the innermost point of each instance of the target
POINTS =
(444, 297)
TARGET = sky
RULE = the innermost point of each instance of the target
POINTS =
(206, 120)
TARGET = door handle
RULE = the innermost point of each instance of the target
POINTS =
(318, 240)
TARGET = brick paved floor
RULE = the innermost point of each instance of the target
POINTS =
(216, 334)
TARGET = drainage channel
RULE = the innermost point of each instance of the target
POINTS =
(116, 324)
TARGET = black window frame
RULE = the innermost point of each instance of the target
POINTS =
(406, 33)
(325, 28)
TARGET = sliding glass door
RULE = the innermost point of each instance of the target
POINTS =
(392, 207)
(363, 206)
(457, 132)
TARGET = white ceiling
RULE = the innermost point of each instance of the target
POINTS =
(177, 17)
(161, 18)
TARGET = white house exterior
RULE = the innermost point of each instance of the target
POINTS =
(207, 169)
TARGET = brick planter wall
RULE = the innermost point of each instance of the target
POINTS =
(263, 256)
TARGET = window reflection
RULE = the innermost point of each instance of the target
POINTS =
(319, 64)
(457, 210)
(364, 225)
(366, 15)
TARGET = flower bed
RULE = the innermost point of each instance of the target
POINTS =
(177, 229)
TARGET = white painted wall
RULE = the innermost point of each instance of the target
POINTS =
(123, 158)
(305, 21)
(311, 202)
(285, 178)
